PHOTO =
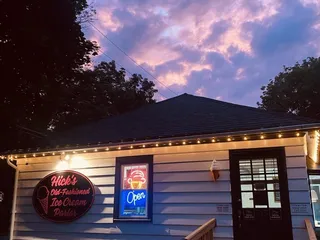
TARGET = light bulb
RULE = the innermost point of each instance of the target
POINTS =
(262, 137)
(43, 154)
(119, 148)
(33, 155)
(213, 140)
(131, 146)
(107, 149)
(198, 141)
(184, 143)
(279, 135)
(170, 143)
(95, 150)
(229, 139)
(157, 145)
(53, 153)
(143, 146)
(84, 151)
(245, 138)
(297, 134)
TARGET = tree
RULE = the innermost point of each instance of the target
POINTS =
(295, 90)
(43, 52)
(103, 92)
(42, 49)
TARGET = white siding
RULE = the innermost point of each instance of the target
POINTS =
(184, 194)
(298, 190)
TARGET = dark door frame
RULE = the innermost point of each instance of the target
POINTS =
(272, 152)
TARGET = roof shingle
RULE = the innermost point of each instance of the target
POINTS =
(184, 115)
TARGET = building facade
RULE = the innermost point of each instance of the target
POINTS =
(254, 182)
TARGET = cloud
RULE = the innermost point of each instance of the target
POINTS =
(224, 49)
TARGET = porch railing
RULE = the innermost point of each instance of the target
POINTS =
(204, 232)
(310, 230)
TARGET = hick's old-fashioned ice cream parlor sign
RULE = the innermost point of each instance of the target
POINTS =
(63, 196)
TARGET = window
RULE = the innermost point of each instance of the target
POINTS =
(315, 197)
(133, 193)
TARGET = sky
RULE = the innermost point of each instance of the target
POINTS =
(221, 49)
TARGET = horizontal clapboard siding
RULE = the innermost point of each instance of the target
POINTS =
(184, 195)
(299, 194)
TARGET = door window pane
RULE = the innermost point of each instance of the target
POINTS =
(247, 199)
(246, 187)
(259, 177)
(274, 200)
(271, 165)
(245, 178)
(245, 167)
(260, 186)
(257, 166)
(272, 176)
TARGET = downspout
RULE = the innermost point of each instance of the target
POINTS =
(13, 210)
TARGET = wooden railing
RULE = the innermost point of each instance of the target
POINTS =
(310, 230)
(205, 232)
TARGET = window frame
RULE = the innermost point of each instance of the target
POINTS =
(143, 159)
(312, 172)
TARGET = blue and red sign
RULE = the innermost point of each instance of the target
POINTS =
(134, 194)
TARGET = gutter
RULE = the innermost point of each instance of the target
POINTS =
(14, 204)
(282, 129)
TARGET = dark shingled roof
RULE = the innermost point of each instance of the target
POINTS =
(184, 115)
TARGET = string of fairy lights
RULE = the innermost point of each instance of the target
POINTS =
(153, 144)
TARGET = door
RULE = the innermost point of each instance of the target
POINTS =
(7, 175)
(260, 197)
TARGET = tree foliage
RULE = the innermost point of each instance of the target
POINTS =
(295, 90)
(102, 92)
(43, 52)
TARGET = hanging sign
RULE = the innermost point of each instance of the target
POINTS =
(63, 196)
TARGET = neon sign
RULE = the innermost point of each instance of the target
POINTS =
(63, 196)
(134, 194)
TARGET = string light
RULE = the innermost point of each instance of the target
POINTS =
(182, 142)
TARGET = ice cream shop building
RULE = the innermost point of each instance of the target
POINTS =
(185, 168)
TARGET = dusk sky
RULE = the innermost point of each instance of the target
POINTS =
(221, 49)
